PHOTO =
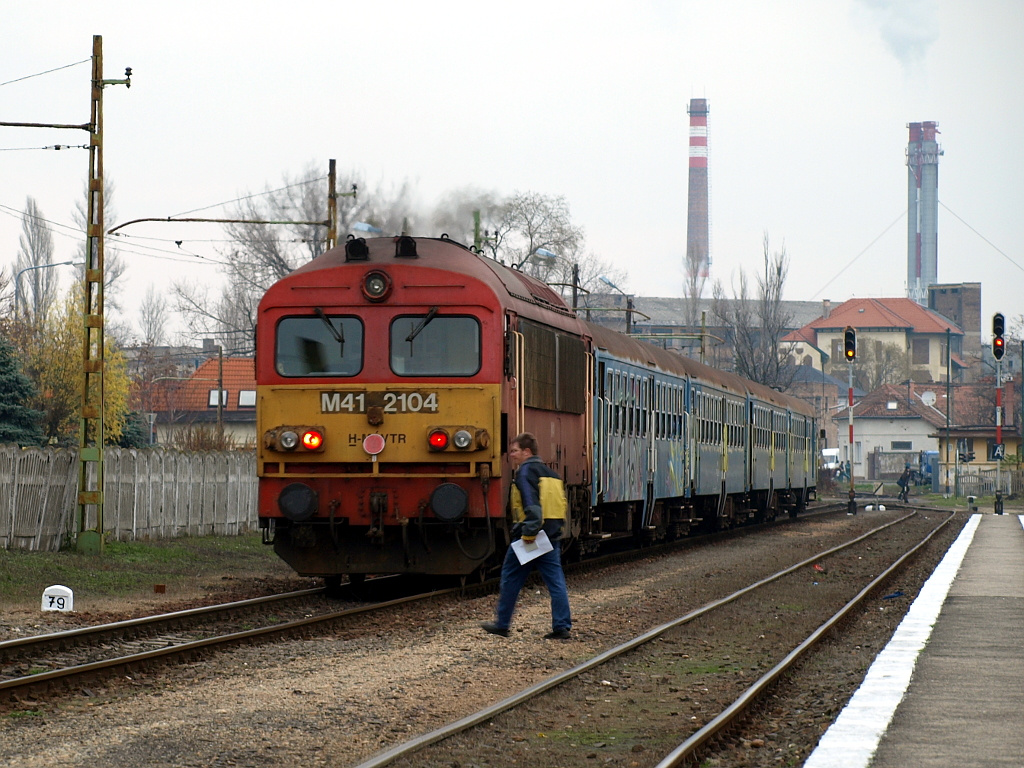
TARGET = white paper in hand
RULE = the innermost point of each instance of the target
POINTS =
(527, 551)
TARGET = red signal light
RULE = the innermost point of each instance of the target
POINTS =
(438, 440)
(312, 439)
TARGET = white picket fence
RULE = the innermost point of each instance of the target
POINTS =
(152, 493)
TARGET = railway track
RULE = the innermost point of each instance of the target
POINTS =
(44, 664)
(607, 683)
(31, 665)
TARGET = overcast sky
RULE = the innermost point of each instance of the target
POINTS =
(809, 103)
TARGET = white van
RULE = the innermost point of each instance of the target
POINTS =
(830, 460)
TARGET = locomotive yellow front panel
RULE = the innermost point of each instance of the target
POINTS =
(416, 423)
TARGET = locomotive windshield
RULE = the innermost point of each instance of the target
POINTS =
(326, 345)
(435, 345)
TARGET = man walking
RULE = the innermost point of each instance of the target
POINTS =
(904, 483)
(529, 518)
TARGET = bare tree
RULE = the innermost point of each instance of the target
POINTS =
(153, 318)
(261, 254)
(759, 323)
(877, 363)
(37, 288)
(530, 222)
(693, 286)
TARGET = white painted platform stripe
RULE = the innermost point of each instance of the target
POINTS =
(852, 739)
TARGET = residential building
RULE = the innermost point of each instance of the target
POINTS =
(894, 337)
(972, 431)
(892, 426)
(183, 402)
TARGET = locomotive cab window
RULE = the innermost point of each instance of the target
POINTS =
(435, 345)
(324, 345)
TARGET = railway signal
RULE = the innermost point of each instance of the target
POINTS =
(998, 343)
(850, 343)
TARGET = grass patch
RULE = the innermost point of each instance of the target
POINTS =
(25, 713)
(128, 569)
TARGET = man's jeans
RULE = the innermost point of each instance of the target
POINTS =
(513, 577)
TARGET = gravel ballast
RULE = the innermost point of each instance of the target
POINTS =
(340, 696)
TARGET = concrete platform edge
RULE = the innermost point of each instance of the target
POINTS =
(851, 741)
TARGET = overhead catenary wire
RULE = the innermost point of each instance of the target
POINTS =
(51, 146)
(47, 72)
(250, 197)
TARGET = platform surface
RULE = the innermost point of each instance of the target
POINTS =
(948, 689)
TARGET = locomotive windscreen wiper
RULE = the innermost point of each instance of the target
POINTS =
(431, 314)
(337, 333)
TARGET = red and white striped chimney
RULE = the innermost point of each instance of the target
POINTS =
(697, 240)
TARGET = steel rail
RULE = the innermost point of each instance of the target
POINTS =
(159, 618)
(414, 745)
(234, 637)
(688, 748)
(26, 643)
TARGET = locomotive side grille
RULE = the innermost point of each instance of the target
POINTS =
(554, 369)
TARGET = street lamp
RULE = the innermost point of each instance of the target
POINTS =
(17, 277)
(629, 303)
(545, 258)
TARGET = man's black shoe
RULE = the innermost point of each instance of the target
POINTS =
(492, 628)
(558, 634)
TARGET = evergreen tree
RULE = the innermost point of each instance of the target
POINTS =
(136, 431)
(18, 423)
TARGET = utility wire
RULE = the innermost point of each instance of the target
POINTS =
(40, 74)
(77, 233)
(34, 149)
(250, 197)
(994, 246)
(866, 249)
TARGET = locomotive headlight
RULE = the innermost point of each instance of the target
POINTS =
(312, 439)
(437, 440)
(462, 439)
(376, 286)
(290, 437)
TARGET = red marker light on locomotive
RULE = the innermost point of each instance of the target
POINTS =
(311, 440)
(438, 440)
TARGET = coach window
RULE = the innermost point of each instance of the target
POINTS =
(435, 345)
(319, 345)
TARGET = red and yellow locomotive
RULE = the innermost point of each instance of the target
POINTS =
(387, 393)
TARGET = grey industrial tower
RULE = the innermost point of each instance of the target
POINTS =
(923, 152)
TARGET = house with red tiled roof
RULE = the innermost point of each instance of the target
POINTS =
(896, 422)
(181, 402)
(896, 333)
(892, 426)
(973, 428)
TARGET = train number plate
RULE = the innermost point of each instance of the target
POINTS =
(391, 402)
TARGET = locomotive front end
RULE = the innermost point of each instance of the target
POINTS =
(379, 412)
